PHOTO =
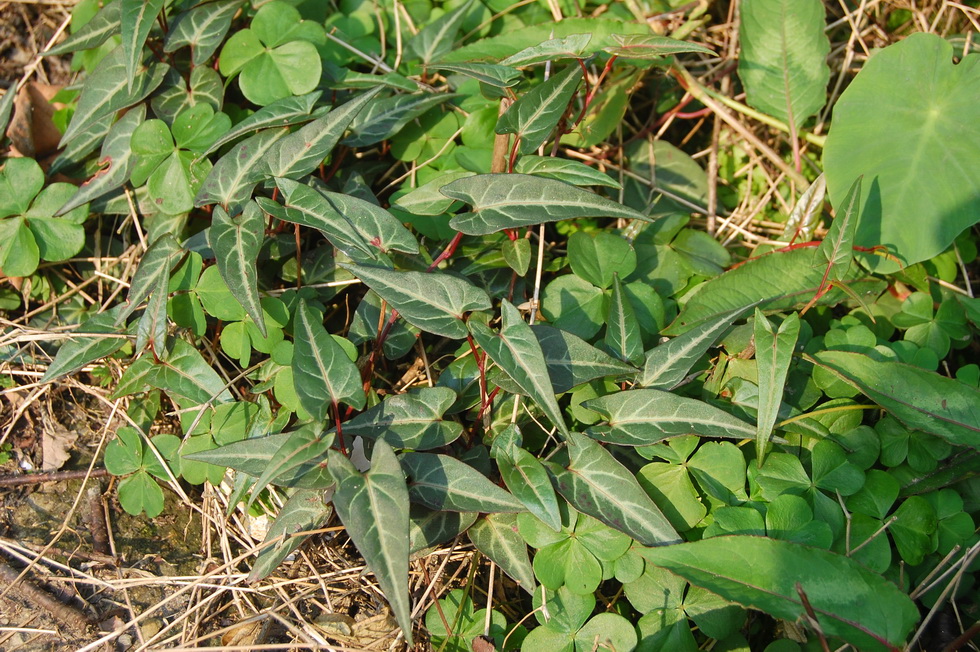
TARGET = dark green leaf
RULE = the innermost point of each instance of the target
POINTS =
(202, 28)
(80, 350)
(281, 113)
(374, 509)
(571, 47)
(919, 398)
(250, 456)
(160, 258)
(508, 201)
(137, 19)
(431, 527)
(651, 46)
(496, 536)
(106, 91)
(233, 177)
(777, 281)
(535, 114)
(486, 73)
(517, 352)
(530, 483)
(385, 118)
(321, 368)
(432, 301)
(117, 154)
(598, 258)
(595, 483)
(412, 420)
(645, 416)
(236, 242)
(773, 353)
(436, 38)
(667, 365)
(573, 172)
(837, 248)
(303, 453)
(622, 328)
(850, 601)
(572, 361)
(303, 512)
(185, 374)
(104, 24)
(443, 482)
(302, 151)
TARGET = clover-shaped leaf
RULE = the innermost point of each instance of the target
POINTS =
(276, 56)
(29, 231)
(168, 160)
(934, 329)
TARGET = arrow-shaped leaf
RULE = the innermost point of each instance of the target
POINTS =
(508, 201)
(534, 116)
(622, 328)
(773, 353)
(117, 155)
(374, 509)
(645, 416)
(95, 32)
(160, 257)
(302, 151)
(496, 536)
(305, 449)
(281, 113)
(436, 38)
(443, 482)
(233, 177)
(517, 352)
(321, 368)
(80, 350)
(236, 242)
(571, 47)
(136, 21)
(303, 512)
(431, 301)
(667, 365)
(107, 90)
(651, 46)
(849, 601)
(596, 484)
(185, 374)
(202, 28)
(412, 420)
(530, 483)
(572, 361)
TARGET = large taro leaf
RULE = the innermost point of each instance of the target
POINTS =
(642, 417)
(303, 512)
(902, 123)
(848, 600)
(445, 483)
(778, 281)
(412, 420)
(784, 57)
(508, 201)
(598, 485)
(515, 349)
(433, 302)
(236, 242)
(323, 375)
(374, 509)
(921, 399)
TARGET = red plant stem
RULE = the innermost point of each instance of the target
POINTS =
(340, 432)
(483, 370)
(447, 252)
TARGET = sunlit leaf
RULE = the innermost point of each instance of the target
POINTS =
(432, 301)
(236, 242)
(412, 420)
(535, 114)
(303, 512)
(508, 201)
(321, 369)
(860, 606)
(374, 509)
(645, 416)
(443, 482)
(201, 28)
(773, 354)
(136, 21)
(517, 352)
(598, 485)
(496, 536)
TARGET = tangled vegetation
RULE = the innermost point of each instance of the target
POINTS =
(660, 312)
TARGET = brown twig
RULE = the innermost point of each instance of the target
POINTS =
(21, 479)
(95, 520)
(66, 614)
